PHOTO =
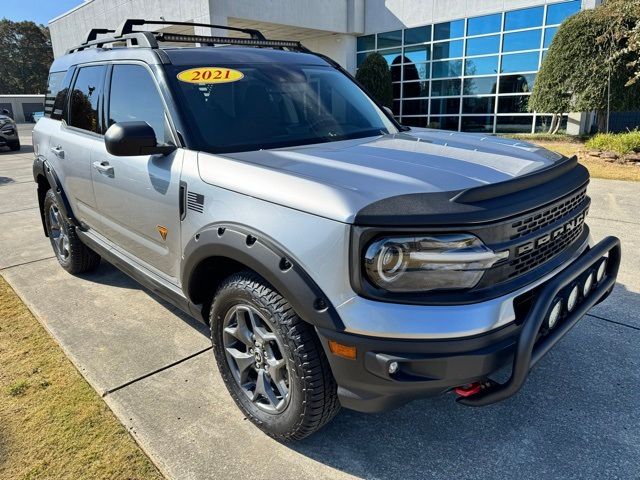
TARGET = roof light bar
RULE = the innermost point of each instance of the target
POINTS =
(175, 37)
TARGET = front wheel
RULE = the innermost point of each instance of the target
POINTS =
(73, 255)
(271, 360)
(15, 146)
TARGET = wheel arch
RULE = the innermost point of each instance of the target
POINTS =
(46, 178)
(221, 249)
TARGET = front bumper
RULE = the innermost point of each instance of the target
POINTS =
(8, 135)
(432, 367)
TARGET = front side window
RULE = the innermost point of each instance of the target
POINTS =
(85, 97)
(277, 105)
(134, 97)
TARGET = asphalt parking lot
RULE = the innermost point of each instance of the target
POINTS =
(578, 416)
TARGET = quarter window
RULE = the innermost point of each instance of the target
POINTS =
(134, 97)
(85, 99)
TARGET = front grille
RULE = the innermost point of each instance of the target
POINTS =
(531, 260)
(541, 219)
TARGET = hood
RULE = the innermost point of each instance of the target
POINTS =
(338, 179)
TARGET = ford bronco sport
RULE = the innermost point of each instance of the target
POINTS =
(338, 257)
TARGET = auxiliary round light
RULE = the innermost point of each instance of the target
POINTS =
(554, 314)
(601, 270)
(572, 301)
(588, 284)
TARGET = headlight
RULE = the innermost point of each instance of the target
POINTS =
(429, 262)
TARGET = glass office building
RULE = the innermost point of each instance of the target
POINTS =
(473, 74)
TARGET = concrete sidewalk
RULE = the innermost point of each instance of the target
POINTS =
(577, 416)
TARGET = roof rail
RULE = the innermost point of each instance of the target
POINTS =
(137, 39)
(127, 27)
(94, 32)
(126, 33)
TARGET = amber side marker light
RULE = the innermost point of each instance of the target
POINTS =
(344, 351)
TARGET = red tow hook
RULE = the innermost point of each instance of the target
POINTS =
(468, 390)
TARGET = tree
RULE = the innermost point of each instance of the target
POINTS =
(629, 35)
(580, 72)
(375, 76)
(25, 57)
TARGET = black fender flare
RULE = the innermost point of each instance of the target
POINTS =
(268, 259)
(42, 168)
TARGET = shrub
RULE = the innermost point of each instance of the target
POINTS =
(621, 143)
(375, 76)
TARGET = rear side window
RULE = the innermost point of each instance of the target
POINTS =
(85, 99)
(134, 97)
(54, 85)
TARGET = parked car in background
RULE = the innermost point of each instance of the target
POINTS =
(8, 131)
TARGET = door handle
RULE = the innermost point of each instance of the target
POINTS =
(58, 151)
(104, 168)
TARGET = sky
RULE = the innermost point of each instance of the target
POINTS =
(38, 11)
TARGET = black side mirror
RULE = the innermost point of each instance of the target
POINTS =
(5, 112)
(129, 139)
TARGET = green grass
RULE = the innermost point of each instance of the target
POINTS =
(620, 143)
(53, 425)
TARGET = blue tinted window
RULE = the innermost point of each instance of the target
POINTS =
(481, 66)
(417, 35)
(482, 124)
(513, 104)
(549, 33)
(361, 57)
(486, 24)
(447, 50)
(390, 39)
(444, 123)
(450, 68)
(517, 83)
(392, 56)
(558, 12)
(527, 40)
(415, 89)
(445, 88)
(416, 54)
(530, 17)
(415, 122)
(445, 106)
(415, 107)
(442, 31)
(515, 124)
(368, 42)
(480, 85)
(478, 105)
(483, 45)
(416, 71)
(520, 62)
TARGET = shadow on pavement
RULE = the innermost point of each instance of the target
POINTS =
(23, 149)
(6, 180)
(107, 274)
(578, 412)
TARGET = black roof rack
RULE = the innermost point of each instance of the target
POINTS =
(126, 33)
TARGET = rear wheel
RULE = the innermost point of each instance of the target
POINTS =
(73, 255)
(15, 146)
(271, 360)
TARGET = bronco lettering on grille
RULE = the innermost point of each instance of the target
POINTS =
(538, 242)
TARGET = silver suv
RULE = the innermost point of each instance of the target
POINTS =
(338, 257)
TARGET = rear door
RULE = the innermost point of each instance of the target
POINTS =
(73, 139)
(138, 197)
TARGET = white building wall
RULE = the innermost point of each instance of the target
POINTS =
(386, 15)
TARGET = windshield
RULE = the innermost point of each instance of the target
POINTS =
(276, 105)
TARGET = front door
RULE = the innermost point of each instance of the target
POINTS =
(138, 197)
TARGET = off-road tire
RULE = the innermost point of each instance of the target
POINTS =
(15, 146)
(313, 400)
(80, 258)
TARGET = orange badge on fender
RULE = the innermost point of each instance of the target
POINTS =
(163, 231)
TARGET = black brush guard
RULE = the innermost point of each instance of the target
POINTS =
(529, 349)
